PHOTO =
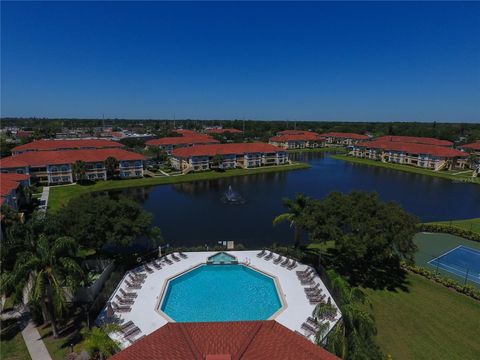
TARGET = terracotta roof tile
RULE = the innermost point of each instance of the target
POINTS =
(472, 146)
(47, 144)
(243, 340)
(223, 131)
(413, 148)
(183, 140)
(416, 139)
(225, 149)
(297, 137)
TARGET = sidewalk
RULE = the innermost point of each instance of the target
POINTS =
(34, 342)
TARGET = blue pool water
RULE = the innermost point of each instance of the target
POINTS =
(221, 293)
(221, 257)
(460, 261)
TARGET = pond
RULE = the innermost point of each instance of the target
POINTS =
(194, 214)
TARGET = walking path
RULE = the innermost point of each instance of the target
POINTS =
(44, 199)
(35, 345)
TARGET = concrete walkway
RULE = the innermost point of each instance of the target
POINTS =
(44, 199)
(34, 342)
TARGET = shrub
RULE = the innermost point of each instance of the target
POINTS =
(449, 229)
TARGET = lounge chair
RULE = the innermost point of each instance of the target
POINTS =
(135, 280)
(120, 308)
(313, 289)
(269, 256)
(126, 294)
(175, 257)
(285, 263)
(139, 275)
(304, 272)
(167, 260)
(148, 268)
(126, 326)
(132, 285)
(182, 255)
(308, 328)
(278, 259)
(132, 332)
(292, 266)
(123, 301)
(261, 253)
(156, 265)
(306, 275)
(312, 321)
(307, 281)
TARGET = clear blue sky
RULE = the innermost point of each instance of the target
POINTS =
(297, 61)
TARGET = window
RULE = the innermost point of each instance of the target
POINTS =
(64, 168)
(66, 179)
(53, 169)
(138, 163)
(20, 171)
(138, 173)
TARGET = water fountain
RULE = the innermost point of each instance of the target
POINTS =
(232, 197)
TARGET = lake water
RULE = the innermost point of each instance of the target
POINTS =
(194, 214)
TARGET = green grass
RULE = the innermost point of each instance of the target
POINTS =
(60, 195)
(321, 149)
(468, 224)
(59, 348)
(428, 322)
(411, 169)
(14, 348)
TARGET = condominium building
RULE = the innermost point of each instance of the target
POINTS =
(11, 189)
(60, 145)
(169, 143)
(473, 148)
(416, 140)
(297, 140)
(343, 139)
(57, 167)
(241, 155)
(428, 156)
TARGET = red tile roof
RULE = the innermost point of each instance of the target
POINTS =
(186, 132)
(225, 149)
(417, 140)
(345, 135)
(7, 186)
(413, 148)
(182, 140)
(222, 131)
(47, 144)
(296, 132)
(243, 340)
(297, 137)
(472, 146)
(13, 177)
(43, 158)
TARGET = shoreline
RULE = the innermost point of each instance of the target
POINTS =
(410, 169)
(62, 194)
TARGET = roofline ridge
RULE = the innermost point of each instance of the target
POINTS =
(193, 348)
(248, 341)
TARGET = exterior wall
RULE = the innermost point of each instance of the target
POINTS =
(131, 169)
(341, 141)
(59, 174)
(297, 144)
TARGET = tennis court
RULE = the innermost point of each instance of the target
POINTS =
(461, 261)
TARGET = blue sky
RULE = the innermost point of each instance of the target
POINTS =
(297, 61)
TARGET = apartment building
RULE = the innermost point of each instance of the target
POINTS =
(168, 144)
(70, 144)
(11, 189)
(428, 156)
(343, 139)
(297, 140)
(57, 167)
(416, 140)
(227, 156)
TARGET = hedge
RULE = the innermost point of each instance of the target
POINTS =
(449, 229)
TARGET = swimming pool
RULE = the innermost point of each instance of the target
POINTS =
(221, 293)
(222, 258)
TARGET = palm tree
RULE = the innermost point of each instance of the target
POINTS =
(216, 161)
(473, 161)
(48, 269)
(79, 169)
(296, 209)
(111, 165)
(98, 342)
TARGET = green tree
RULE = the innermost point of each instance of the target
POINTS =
(111, 165)
(97, 341)
(48, 269)
(157, 153)
(79, 169)
(216, 161)
(295, 209)
(352, 338)
(473, 161)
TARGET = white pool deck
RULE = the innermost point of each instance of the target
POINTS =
(145, 315)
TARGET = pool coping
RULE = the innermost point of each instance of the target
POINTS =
(276, 282)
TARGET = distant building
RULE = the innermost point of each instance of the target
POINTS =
(297, 140)
(71, 144)
(239, 340)
(241, 155)
(471, 148)
(427, 156)
(223, 131)
(11, 186)
(169, 143)
(416, 140)
(343, 139)
(55, 167)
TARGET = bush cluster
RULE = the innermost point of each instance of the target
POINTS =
(449, 229)
(468, 290)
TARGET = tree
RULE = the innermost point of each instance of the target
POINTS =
(216, 161)
(98, 342)
(158, 153)
(111, 165)
(48, 269)
(79, 169)
(352, 338)
(473, 161)
(295, 209)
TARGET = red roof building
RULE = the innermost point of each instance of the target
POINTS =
(343, 138)
(170, 143)
(475, 147)
(296, 132)
(245, 340)
(189, 133)
(226, 149)
(416, 140)
(303, 140)
(56, 145)
(9, 186)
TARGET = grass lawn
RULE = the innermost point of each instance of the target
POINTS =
(463, 177)
(468, 224)
(60, 195)
(59, 348)
(14, 348)
(427, 322)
